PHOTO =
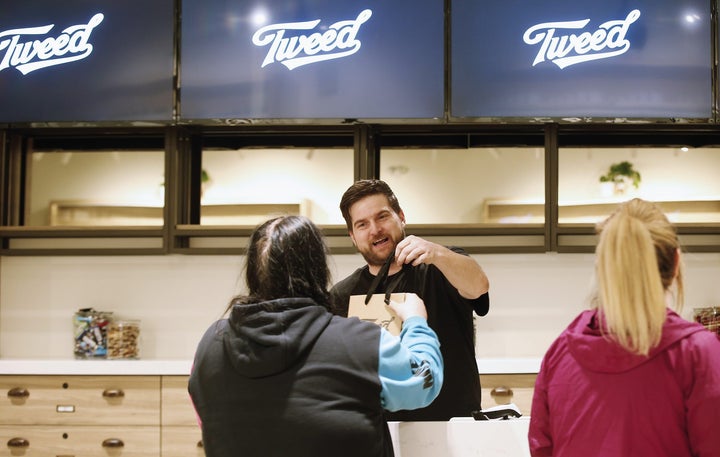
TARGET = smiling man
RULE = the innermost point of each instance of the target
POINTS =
(451, 283)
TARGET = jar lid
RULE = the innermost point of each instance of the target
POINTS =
(126, 322)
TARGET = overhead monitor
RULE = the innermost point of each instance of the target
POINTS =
(564, 58)
(86, 61)
(310, 59)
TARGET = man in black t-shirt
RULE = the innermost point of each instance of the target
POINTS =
(451, 284)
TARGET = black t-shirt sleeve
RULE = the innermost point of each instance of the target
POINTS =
(481, 305)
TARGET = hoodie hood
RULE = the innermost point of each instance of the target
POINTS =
(596, 352)
(266, 338)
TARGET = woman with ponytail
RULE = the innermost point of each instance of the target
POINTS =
(630, 377)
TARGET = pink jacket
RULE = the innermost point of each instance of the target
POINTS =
(593, 398)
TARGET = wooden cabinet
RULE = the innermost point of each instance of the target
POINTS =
(177, 407)
(181, 435)
(182, 441)
(79, 440)
(137, 415)
(80, 400)
(128, 416)
(499, 389)
(80, 415)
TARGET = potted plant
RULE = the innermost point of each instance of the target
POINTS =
(621, 175)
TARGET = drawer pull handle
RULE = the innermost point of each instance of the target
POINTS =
(18, 392)
(502, 391)
(113, 393)
(113, 442)
(18, 443)
(200, 444)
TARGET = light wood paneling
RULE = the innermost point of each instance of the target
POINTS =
(85, 441)
(182, 441)
(509, 388)
(80, 400)
(177, 407)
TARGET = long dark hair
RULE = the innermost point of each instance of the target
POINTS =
(286, 258)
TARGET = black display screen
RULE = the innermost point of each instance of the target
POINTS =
(86, 60)
(310, 59)
(564, 58)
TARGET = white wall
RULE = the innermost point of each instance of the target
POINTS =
(533, 297)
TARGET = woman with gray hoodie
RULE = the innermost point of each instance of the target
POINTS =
(283, 375)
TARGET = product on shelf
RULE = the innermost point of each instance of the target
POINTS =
(90, 332)
(123, 339)
(709, 317)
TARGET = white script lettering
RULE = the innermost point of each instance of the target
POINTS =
(565, 50)
(41, 53)
(339, 40)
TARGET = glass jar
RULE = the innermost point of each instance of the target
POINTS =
(90, 333)
(708, 317)
(123, 339)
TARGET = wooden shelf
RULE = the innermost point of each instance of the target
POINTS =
(532, 212)
(85, 213)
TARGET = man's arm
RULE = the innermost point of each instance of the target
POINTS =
(462, 271)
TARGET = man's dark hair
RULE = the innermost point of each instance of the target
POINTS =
(364, 188)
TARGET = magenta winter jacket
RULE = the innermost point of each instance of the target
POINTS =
(593, 398)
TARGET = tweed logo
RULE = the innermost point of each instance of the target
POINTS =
(44, 51)
(609, 40)
(336, 41)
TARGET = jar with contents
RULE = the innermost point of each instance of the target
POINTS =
(709, 317)
(90, 333)
(123, 339)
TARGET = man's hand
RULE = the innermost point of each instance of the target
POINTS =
(463, 272)
(415, 251)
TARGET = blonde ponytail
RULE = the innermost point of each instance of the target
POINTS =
(636, 265)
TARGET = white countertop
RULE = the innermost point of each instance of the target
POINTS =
(94, 367)
(461, 437)
(182, 367)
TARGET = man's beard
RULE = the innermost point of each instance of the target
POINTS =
(374, 260)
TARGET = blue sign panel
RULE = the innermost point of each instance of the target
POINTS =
(564, 58)
(310, 59)
(86, 60)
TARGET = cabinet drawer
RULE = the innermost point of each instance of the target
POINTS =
(90, 400)
(177, 407)
(80, 441)
(498, 389)
(182, 441)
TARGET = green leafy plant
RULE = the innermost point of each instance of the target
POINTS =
(621, 171)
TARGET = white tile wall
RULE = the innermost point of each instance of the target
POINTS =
(533, 297)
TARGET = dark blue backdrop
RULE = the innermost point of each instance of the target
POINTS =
(396, 73)
(128, 76)
(666, 72)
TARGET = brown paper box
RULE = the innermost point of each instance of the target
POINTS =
(377, 311)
